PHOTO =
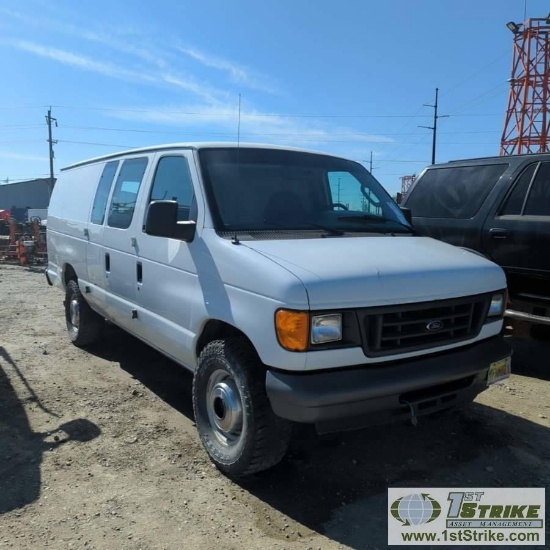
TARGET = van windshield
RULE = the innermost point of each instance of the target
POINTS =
(253, 189)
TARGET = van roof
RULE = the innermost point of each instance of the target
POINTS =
(191, 145)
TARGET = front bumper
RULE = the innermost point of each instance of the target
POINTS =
(356, 397)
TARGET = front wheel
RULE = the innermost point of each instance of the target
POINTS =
(84, 325)
(236, 424)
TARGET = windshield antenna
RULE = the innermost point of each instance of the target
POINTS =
(239, 124)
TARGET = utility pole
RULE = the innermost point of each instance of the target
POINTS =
(434, 127)
(49, 120)
(370, 169)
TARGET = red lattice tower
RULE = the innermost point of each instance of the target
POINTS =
(406, 182)
(526, 128)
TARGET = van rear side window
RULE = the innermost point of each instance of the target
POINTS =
(453, 192)
(102, 193)
(126, 191)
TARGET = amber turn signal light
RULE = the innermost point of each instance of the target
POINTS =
(292, 329)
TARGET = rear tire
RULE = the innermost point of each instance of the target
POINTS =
(236, 424)
(84, 325)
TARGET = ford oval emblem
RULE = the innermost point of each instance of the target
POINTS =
(435, 326)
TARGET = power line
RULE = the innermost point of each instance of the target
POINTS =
(19, 176)
(22, 141)
(468, 103)
(99, 144)
(253, 115)
(389, 160)
(278, 134)
(21, 107)
(21, 126)
(452, 88)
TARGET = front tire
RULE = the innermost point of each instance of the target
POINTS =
(236, 424)
(84, 325)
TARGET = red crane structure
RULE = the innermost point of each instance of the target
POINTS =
(527, 122)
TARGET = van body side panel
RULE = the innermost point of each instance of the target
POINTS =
(165, 276)
(95, 255)
(68, 215)
(118, 259)
(165, 295)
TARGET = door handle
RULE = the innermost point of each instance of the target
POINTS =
(86, 233)
(499, 233)
(107, 262)
(139, 272)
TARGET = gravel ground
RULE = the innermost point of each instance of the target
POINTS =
(98, 448)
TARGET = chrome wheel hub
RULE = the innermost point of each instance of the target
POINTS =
(74, 314)
(224, 408)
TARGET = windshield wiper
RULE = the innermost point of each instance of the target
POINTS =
(328, 229)
(331, 230)
(373, 218)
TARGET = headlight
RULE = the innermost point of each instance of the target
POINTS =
(326, 328)
(498, 304)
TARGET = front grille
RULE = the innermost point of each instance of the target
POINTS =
(404, 328)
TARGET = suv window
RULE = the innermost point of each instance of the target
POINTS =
(538, 202)
(173, 182)
(514, 203)
(453, 192)
(102, 193)
(125, 194)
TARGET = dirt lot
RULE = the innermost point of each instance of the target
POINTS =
(98, 449)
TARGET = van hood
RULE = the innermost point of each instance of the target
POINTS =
(381, 270)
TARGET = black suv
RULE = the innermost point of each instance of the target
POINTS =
(500, 207)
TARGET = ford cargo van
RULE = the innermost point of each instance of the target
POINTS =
(287, 281)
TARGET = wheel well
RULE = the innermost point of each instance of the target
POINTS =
(69, 274)
(214, 330)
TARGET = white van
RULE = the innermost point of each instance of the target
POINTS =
(288, 281)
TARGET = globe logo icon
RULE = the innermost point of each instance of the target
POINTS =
(415, 509)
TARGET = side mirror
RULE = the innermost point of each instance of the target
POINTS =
(162, 221)
(407, 213)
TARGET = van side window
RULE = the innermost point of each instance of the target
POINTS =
(515, 200)
(172, 181)
(102, 193)
(125, 194)
(538, 202)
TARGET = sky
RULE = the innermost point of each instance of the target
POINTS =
(348, 77)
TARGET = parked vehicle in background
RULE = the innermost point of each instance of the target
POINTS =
(288, 281)
(500, 207)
